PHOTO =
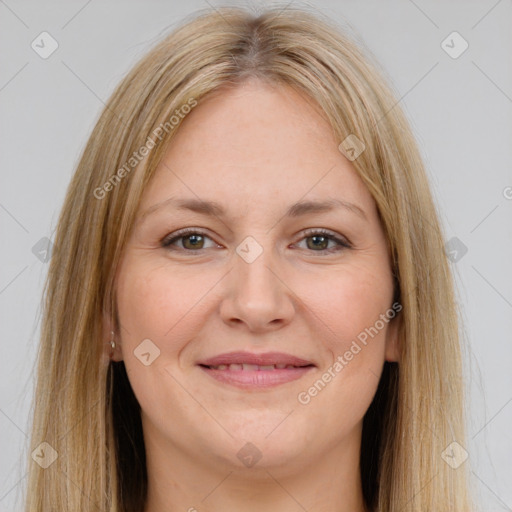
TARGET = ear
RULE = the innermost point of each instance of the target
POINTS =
(115, 354)
(392, 353)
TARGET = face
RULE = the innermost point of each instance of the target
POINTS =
(258, 275)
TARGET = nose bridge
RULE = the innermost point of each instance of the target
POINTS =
(256, 296)
(253, 263)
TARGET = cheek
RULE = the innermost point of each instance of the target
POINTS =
(352, 325)
(141, 302)
(154, 302)
(349, 303)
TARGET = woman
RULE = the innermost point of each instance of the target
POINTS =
(249, 306)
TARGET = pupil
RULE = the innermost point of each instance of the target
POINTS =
(323, 238)
(194, 239)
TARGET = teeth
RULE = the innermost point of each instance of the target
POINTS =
(251, 367)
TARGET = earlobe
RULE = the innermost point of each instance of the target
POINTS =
(110, 341)
(114, 346)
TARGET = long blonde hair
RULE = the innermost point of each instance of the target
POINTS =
(419, 407)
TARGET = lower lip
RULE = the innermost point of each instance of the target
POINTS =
(257, 379)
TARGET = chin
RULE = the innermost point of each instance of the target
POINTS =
(264, 441)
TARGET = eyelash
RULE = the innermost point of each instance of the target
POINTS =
(343, 244)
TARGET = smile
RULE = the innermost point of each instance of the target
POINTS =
(249, 370)
(252, 367)
(255, 377)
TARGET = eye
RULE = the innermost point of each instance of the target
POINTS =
(320, 238)
(192, 239)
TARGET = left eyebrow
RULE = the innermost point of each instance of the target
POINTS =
(212, 208)
(305, 207)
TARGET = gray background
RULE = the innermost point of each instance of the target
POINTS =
(460, 110)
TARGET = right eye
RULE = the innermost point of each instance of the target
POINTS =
(192, 240)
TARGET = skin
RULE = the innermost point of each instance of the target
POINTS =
(255, 149)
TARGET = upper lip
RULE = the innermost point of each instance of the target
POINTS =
(263, 359)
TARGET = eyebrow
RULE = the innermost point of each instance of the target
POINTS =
(212, 208)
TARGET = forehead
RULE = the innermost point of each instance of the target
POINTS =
(256, 144)
(255, 119)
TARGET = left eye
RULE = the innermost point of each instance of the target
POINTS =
(192, 240)
(320, 240)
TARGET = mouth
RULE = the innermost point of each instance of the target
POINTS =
(251, 367)
(252, 371)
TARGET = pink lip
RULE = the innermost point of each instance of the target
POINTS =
(263, 359)
(251, 379)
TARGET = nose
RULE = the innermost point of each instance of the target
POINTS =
(256, 294)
